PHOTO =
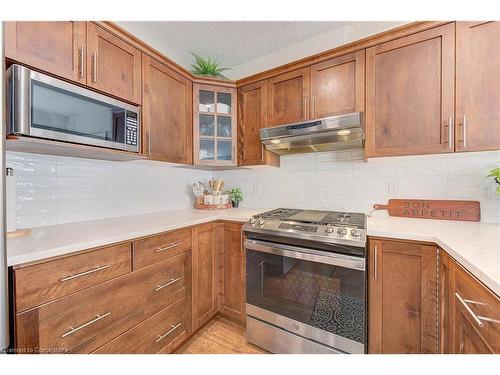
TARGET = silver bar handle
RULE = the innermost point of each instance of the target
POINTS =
(172, 245)
(174, 327)
(67, 278)
(311, 255)
(313, 110)
(450, 133)
(483, 318)
(94, 67)
(97, 318)
(148, 135)
(305, 107)
(375, 262)
(469, 310)
(464, 129)
(172, 281)
(82, 61)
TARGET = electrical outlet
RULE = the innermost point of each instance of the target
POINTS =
(393, 189)
(486, 191)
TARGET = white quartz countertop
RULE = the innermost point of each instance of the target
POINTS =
(474, 245)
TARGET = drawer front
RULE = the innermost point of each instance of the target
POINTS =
(152, 335)
(48, 281)
(65, 324)
(480, 306)
(157, 248)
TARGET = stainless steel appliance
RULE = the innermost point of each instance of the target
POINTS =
(343, 132)
(4, 292)
(45, 107)
(306, 281)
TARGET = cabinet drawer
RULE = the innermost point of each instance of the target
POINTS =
(152, 335)
(480, 306)
(45, 282)
(157, 248)
(65, 324)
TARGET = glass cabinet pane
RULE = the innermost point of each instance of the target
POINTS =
(223, 103)
(207, 151)
(224, 150)
(206, 101)
(224, 128)
(207, 125)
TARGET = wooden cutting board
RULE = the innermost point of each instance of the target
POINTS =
(432, 209)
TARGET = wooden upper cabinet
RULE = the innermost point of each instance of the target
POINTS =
(478, 86)
(252, 112)
(338, 85)
(410, 94)
(114, 65)
(167, 113)
(204, 273)
(54, 47)
(231, 271)
(288, 97)
(214, 125)
(402, 298)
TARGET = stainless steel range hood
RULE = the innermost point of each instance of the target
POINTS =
(344, 132)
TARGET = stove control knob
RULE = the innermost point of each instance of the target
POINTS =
(355, 232)
(329, 229)
(342, 231)
(260, 220)
(252, 220)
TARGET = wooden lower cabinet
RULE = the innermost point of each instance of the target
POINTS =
(470, 312)
(204, 274)
(231, 270)
(402, 297)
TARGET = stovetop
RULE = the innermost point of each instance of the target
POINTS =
(316, 217)
(344, 228)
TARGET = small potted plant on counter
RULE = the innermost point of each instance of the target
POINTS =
(495, 173)
(236, 196)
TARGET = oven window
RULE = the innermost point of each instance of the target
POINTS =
(65, 112)
(324, 296)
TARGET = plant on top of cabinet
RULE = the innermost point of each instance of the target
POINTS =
(214, 125)
(207, 67)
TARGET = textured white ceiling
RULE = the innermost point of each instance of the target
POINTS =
(238, 43)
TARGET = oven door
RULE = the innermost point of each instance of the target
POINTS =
(314, 294)
(45, 107)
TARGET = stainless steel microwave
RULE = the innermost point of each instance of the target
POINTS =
(45, 107)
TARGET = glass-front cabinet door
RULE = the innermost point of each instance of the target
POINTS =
(214, 125)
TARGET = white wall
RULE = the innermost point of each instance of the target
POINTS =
(344, 181)
(54, 190)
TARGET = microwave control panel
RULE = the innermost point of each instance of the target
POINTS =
(131, 128)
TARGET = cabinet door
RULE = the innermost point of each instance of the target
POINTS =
(402, 298)
(338, 85)
(252, 111)
(288, 97)
(410, 94)
(167, 109)
(214, 125)
(477, 316)
(446, 302)
(478, 86)
(231, 271)
(114, 65)
(204, 274)
(54, 47)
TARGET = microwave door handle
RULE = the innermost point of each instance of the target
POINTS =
(300, 253)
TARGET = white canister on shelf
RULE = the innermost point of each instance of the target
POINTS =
(11, 197)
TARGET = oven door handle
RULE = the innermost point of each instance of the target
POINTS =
(301, 253)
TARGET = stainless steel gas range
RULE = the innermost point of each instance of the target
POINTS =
(306, 281)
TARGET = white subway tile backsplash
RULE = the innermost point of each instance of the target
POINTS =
(53, 190)
(342, 180)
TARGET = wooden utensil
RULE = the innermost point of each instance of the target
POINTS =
(432, 209)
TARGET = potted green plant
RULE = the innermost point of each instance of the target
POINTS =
(207, 67)
(236, 196)
(495, 173)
